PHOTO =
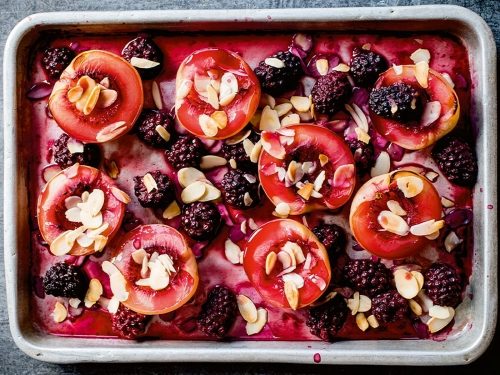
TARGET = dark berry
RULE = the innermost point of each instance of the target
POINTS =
(326, 320)
(363, 154)
(332, 237)
(240, 189)
(366, 66)
(218, 313)
(146, 126)
(398, 101)
(129, 324)
(368, 277)
(276, 81)
(55, 60)
(442, 284)
(130, 221)
(238, 153)
(91, 154)
(65, 280)
(389, 307)
(457, 161)
(144, 48)
(330, 92)
(200, 220)
(185, 152)
(161, 196)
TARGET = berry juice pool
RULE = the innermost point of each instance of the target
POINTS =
(250, 187)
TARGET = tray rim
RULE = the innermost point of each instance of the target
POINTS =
(403, 352)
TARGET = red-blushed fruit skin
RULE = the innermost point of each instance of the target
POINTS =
(416, 138)
(326, 142)
(271, 237)
(123, 78)
(239, 111)
(51, 208)
(183, 283)
(365, 209)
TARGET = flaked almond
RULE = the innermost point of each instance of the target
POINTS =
(433, 236)
(228, 86)
(266, 99)
(248, 146)
(111, 169)
(343, 176)
(292, 169)
(73, 215)
(163, 133)
(452, 241)
(398, 69)
(365, 303)
(274, 62)
(252, 224)
(406, 283)
(282, 209)
(420, 55)
(447, 203)
(158, 277)
(342, 68)
(91, 102)
(221, 118)
(111, 131)
(372, 321)
(448, 79)
(211, 193)
(61, 246)
(187, 176)
(72, 171)
(94, 202)
(232, 251)
(306, 191)
(100, 242)
(142, 63)
(212, 161)
(440, 312)
(232, 163)
(362, 322)
(84, 241)
(294, 278)
(235, 139)
(113, 305)
(255, 153)
(419, 277)
(271, 259)
(118, 286)
(193, 192)
(95, 232)
(353, 303)
(283, 108)
(120, 195)
(432, 112)
(90, 221)
(74, 94)
(393, 223)
(60, 313)
(107, 98)
(269, 120)
(105, 82)
(139, 255)
(285, 259)
(382, 165)
(156, 93)
(247, 308)
(319, 180)
(301, 103)
(94, 292)
(292, 294)
(396, 208)
(436, 324)
(359, 117)
(322, 66)
(411, 186)
(294, 249)
(427, 227)
(149, 182)
(72, 201)
(208, 125)
(212, 97)
(258, 325)
(362, 135)
(184, 89)
(291, 119)
(247, 199)
(415, 307)
(422, 73)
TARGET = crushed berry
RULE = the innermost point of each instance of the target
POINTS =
(366, 66)
(442, 285)
(161, 196)
(367, 277)
(65, 280)
(218, 313)
(185, 152)
(200, 220)
(144, 48)
(330, 92)
(91, 154)
(332, 237)
(56, 59)
(146, 127)
(457, 161)
(398, 101)
(363, 155)
(276, 81)
(327, 319)
(236, 185)
(238, 153)
(129, 324)
(389, 307)
(130, 221)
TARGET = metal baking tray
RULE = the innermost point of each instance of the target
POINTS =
(460, 348)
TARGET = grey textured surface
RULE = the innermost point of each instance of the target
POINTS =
(12, 361)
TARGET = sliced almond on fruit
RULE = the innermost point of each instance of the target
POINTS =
(419, 277)
(100, 242)
(106, 98)
(252, 224)
(139, 255)
(212, 97)
(269, 119)
(422, 73)
(111, 169)
(226, 100)
(60, 313)
(306, 191)
(84, 241)
(406, 283)
(266, 99)
(447, 203)
(411, 186)
(294, 249)
(74, 302)
(208, 125)
(319, 180)
(343, 176)
(91, 102)
(398, 69)
(382, 165)
(94, 292)
(74, 94)
(285, 259)
(372, 321)
(248, 146)
(448, 79)
(270, 262)
(274, 62)
(292, 294)
(282, 209)
(94, 202)
(247, 308)
(184, 89)
(120, 195)
(420, 55)
(61, 246)
(432, 112)
(163, 133)
(258, 325)
(111, 131)
(113, 305)
(211, 193)
(72, 201)
(158, 277)
(232, 251)
(440, 312)
(301, 103)
(433, 236)
(283, 108)
(362, 322)
(228, 84)
(73, 215)
(342, 68)
(353, 303)
(415, 307)
(193, 192)
(294, 278)
(452, 241)
(105, 82)
(291, 119)
(322, 66)
(426, 228)
(187, 176)
(142, 63)
(396, 208)
(436, 324)
(221, 118)
(90, 221)
(362, 135)
(365, 303)
(118, 286)
(149, 182)
(393, 223)
(235, 139)
(255, 153)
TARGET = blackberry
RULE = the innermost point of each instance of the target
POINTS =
(363, 155)
(457, 161)
(240, 189)
(330, 92)
(218, 313)
(398, 101)
(129, 324)
(144, 48)
(238, 153)
(368, 277)
(389, 307)
(185, 152)
(65, 280)
(366, 66)
(276, 81)
(326, 320)
(442, 284)
(200, 220)
(332, 237)
(56, 59)
(146, 127)
(91, 154)
(161, 196)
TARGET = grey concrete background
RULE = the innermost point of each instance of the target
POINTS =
(13, 361)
